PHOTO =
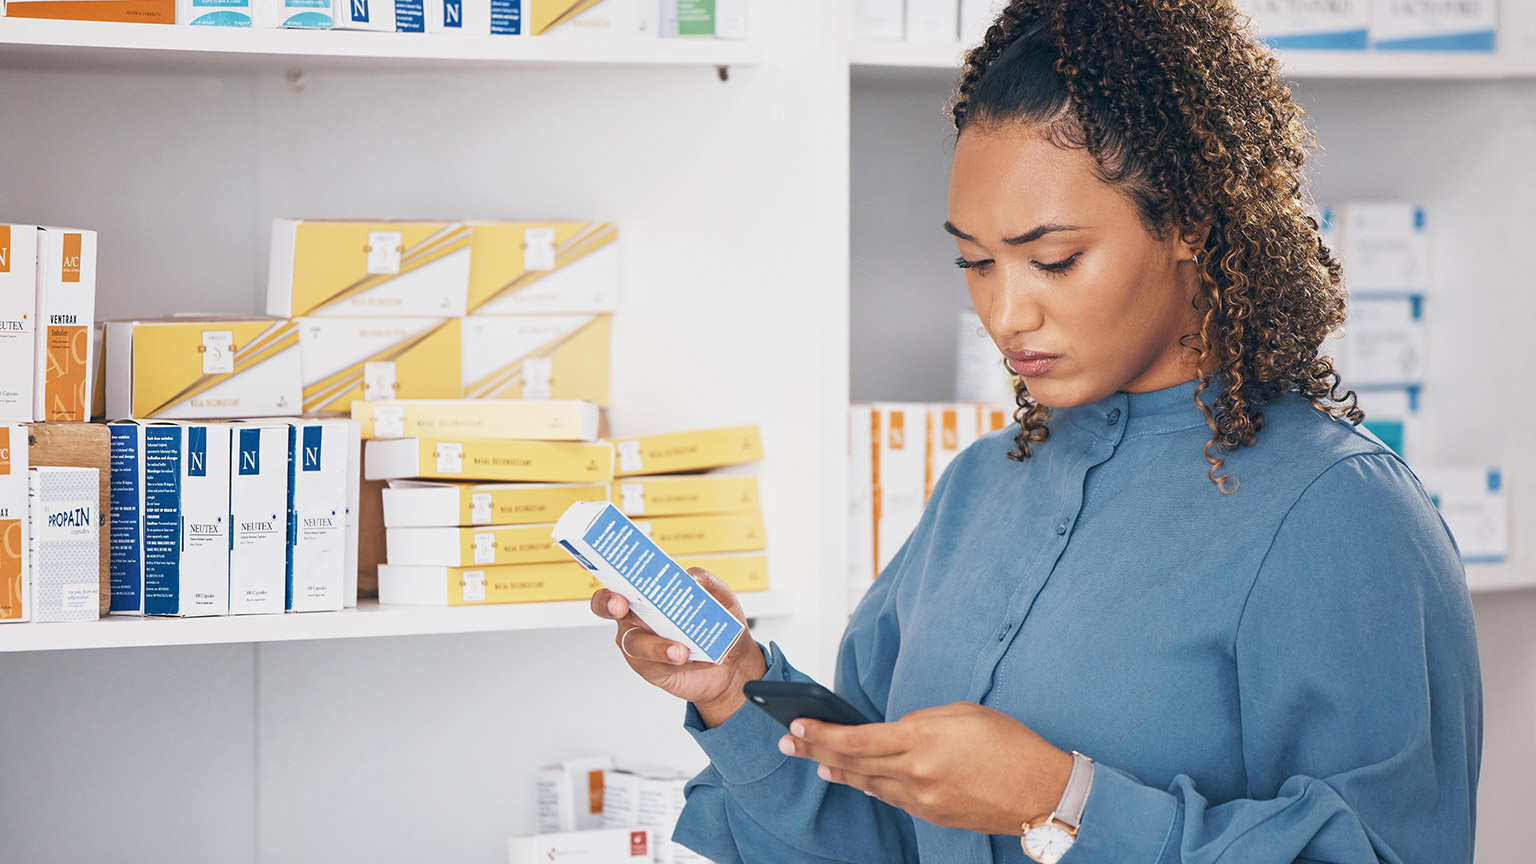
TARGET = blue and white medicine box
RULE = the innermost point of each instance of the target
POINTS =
(659, 590)
(1384, 344)
(1383, 245)
(214, 13)
(1473, 503)
(125, 531)
(1463, 25)
(1312, 25)
(186, 519)
(464, 16)
(258, 519)
(1393, 415)
(363, 15)
(294, 14)
(317, 515)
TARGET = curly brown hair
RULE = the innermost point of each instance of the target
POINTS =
(1186, 112)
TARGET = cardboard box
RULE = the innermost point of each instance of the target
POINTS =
(338, 268)
(66, 307)
(651, 799)
(414, 503)
(707, 533)
(881, 19)
(99, 375)
(81, 445)
(349, 585)
(466, 16)
(901, 481)
(481, 586)
(933, 20)
(120, 11)
(1383, 245)
(472, 547)
(687, 451)
(66, 543)
(544, 267)
(186, 519)
(498, 461)
(592, 18)
(1384, 343)
(18, 317)
(377, 15)
(317, 505)
(15, 551)
(215, 13)
(410, 16)
(294, 14)
(743, 573)
(617, 846)
(951, 429)
(660, 592)
(1466, 25)
(350, 359)
(537, 420)
(202, 368)
(863, 429)
(685, 495)
(258, 521)
(1296, 25)
(1473, 503)
(537, 357)
(126, 525)
(570, 795)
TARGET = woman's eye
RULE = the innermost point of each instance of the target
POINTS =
(964, 264)
(1061, 266)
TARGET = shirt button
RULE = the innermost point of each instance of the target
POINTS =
(1002, 634)
(1063, 525)
(1114, 417)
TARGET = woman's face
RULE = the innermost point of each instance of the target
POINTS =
(1070, 285)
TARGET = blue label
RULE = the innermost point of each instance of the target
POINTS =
(162, 520)
(410, 16)
(360, 11)
(1481, 41)
(1495, 480)
(309, 21)
(197, 451)
(313, 436)
(125, 537)
(293, 517)
(250, 453)
(1339, 40)
(507, 17)
(222, 18)
(571, 550)
(663, 583)
(453, 14)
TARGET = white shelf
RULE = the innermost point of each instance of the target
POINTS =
(1298, 64)
(89, 45)
(368, 619)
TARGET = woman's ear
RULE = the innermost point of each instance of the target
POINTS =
(1192, 242)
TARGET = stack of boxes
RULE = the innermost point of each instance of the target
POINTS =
(1380, 25)
(50, 519)
(588, 804)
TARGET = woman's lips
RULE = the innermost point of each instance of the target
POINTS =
(1031, 364)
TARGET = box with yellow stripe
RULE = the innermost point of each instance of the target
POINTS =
(205, 368)
(340, 268)
(536, 357)
(688, 451)
(422, 503)
(538, 583)
(351, 359)
(544, 267)
(475, 459)
(685, 495)
(539, 420)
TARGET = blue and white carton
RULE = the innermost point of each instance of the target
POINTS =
(258, 519)
(317, 515)
(1435, 25)
(294, 14)
(660, 592)
(363, 15)
(125, 528)
(1312, 25)
(215, 13)
(469, 16)
(186, 519)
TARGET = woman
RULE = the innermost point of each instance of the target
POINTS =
(1192, 567)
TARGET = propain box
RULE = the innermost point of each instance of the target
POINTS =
(66, 543)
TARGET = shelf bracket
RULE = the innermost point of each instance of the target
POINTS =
(724, 72)
(296, 80)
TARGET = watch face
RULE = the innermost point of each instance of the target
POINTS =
(1047, 843)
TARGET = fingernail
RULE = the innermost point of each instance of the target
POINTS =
(613, 608)
(678, 653)
(798, 729)
(787, 746)
(824, 773)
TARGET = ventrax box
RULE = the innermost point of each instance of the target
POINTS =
(202, 368)
(81, 445)
(415, 503)
(340, 268)
(687, 451)
(544, 267)
(66, 307)
(499, 461)
(537, 357)
(533, 420)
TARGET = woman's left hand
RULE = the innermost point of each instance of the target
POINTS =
(956, 766)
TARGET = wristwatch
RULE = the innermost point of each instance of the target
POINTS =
(1050, 838)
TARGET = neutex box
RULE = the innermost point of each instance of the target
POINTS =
(658, 589)
(317, 512)
(258, 519)
(186, 519)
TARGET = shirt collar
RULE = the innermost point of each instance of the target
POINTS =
(1121, 415)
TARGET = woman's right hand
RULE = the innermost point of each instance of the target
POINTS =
(715, 689)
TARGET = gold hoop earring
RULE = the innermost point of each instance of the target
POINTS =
(1196, 257)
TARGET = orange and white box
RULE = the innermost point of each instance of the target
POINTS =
(902, 454)
(15, 550)
(536, 357)
(605, 846)
(120, 11)
(544, 267)
(345, 360)
(18, 320)
(863, 428)
(341, 268)
(66, 306)
(951, 428)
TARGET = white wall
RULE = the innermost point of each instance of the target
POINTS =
(1463, 149)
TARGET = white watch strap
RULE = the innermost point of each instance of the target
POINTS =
(1075, 798)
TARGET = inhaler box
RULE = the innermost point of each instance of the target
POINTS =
(880, 19)
(66, 307)
(66, 543)
(422, 504)
(465, 16)
(1385, 342)
(569, 795)
(549, 267)
(215, 13)
(186, 519)
(901, 463)
(202, 368)
(1465, 25)
(933, 20)
(1473, 503)
(15, 551)
(1393, 415)
(659, 590)
(294, 14)
(119, 11)
(18, 320)
(1312, 25)
(1384, 245)
(339, 268)
(344, 360)
(536, 357)
(317, 512)
(258, 517)
(363, 15)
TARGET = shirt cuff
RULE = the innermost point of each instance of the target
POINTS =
(1125, 822)
(745, 748)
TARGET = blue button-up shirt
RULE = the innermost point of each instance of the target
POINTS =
(1287, 673)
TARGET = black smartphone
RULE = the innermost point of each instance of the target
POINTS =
(786, 700)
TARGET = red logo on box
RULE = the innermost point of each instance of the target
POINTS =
(638, 844)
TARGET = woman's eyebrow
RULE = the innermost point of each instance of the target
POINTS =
(1029, 236)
